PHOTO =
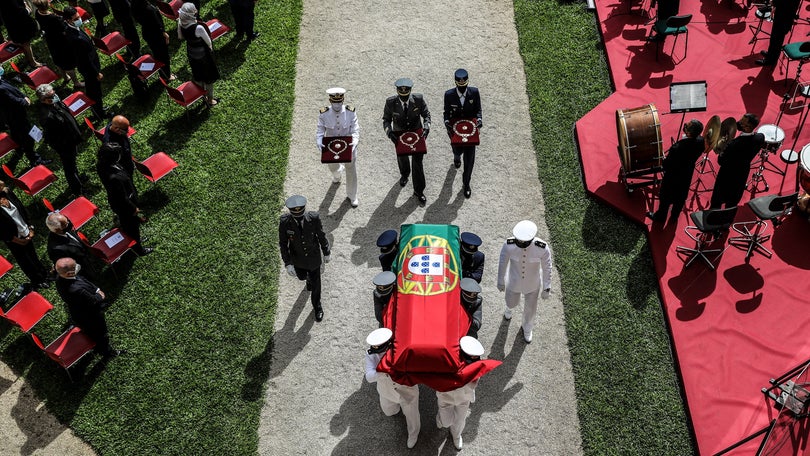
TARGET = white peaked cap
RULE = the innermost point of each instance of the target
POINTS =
(379, 337)
(524, 230)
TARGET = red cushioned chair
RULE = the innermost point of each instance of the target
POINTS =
(169, 9)
(68, 348)
(110, 44)
(78, 103)
(6, 144)
(5, 266)
(156, 166)
(217, 28)
(79, 211)
(8, 51)
(185, 94)
(28, 311)
(99, 134)
(40, 75)
(112, 245)
(136, 67)
(33, 181)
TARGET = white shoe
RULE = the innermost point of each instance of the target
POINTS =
(412, 441)
(457, 442)
(337, 175)
(355, 202)
(527, 336)
(507, 314)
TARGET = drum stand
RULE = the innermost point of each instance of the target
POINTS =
(758, 177)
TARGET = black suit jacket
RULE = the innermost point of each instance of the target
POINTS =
(679, 165)
(302, 246)
(8, 228)
(472, 266)
(121, 192)
(474, 311)
(85, 305)
(453, 109)
(85, 52)
(735, 165)
(394, 119)
(67, 247)
(126, 148)
(60, 128)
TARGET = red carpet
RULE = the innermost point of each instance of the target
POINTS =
(735, 328)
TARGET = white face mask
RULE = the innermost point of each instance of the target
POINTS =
(77, 269)
(56, 98)
(337, 106)
(78, 23)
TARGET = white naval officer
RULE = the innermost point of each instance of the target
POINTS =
(454, 405)
(339, 119)
(393, 396)
(524, 269)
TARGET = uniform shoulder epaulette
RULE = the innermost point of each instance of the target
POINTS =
(350, 108)
(540, 244)
(324, 109)
(312, 215)
(285, 216)
(510, 240)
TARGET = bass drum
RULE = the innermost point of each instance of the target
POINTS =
(640, 144)
(804, 169)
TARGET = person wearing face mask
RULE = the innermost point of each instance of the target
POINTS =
(61, 133)
(86, 59)
(735, 163)
(117, 132)
(462, 102)
(18, 235)
(13, 107)
(524, 268)
(301, 241)
(85, 304)
(679, 166)
(393, 396)
(121, 194)
(63, 241)
(339, 119)
(403, 112)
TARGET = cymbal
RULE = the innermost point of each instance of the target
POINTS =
(728, 130)
(711, 133)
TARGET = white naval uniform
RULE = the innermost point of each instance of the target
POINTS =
(453, 407)
(394, 396)
(342, 123)
(519, 271)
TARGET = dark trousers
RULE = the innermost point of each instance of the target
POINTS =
(468, 155)
(663, 209)
(67, 154)
(27, 259)
(415, 163)
(123, 16)
(92, 88)
(131, 226)
(160, 52)
(100, 11)
(243, 16)
(313, 278)
(95, 325)
(19, 133)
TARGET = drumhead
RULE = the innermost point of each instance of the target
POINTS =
(773, 133)
(804, 160)
(639, 134)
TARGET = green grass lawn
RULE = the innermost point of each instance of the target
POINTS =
(627, 389)
(197, 315)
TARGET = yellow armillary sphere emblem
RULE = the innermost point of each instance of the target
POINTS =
(429, 266)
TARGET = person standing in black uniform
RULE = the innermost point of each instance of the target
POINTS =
(243, 12)
(18, 234)
(383, 289)
(387, 242)
(784, 15)
(472, 261)
(301, 240)
(472, 302)
(21, 27)
(63, 241)
(13, 104)
(407, 112)
(735, 163)
(86, 59)
(85, 303)
(53, 26)
(154, 33)
(463, 101)
(62, 133)
(679, 165)
(121, 194)
(117, 132)
(122, 13)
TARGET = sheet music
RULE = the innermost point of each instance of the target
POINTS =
(35, 133)
(215, 26)
(688, 97)
(146, 66)
(113, 240)
(76, 105)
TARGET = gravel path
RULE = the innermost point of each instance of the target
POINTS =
(317, 400)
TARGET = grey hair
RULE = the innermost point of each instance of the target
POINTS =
(53, 221)
(43, 89)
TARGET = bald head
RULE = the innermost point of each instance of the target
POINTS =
(57, 223)
(66, 267)
(120, 125)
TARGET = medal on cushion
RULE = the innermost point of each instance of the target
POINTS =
(409, 139)
(464, 128)
(336, 147)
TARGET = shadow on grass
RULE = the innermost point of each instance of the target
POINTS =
(385, 216)
(602, 231)
(280, 350)
(641, 280)
(174, 134)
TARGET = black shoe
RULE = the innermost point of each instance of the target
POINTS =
(83, 178)
(652, 216)
(319, 314)
(764, 62)
(763, 53)
(457, 163)
(145, 251)
(42, 285)
(43, 161)
(112, 353)
(239, 36)
(467, 192)
(403, 181)
(655, 38)
(420, 197)
(253, 36)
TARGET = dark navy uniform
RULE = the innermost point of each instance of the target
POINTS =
(387, 242)
(383, 289)
(472, 261)
(86, 308)
(462, 101)
(472, 302)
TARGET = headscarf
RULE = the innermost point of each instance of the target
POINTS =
(188, 14)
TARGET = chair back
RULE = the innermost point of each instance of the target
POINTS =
(17, 182)
(37, 341)
(782, 203)
(718, 219)
(6, 144)
(48, 204)
(804, 47)
(678, 21)
(143, 169)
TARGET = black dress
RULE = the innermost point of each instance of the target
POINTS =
(54, 28)
(21, 27)
(200, 57)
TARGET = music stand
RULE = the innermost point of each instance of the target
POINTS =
(691, 97)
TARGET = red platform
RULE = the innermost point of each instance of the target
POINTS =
(734, 328)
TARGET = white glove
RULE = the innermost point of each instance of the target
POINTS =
(327, 258)
(546, 293)
(501, 287)
(291, 270)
